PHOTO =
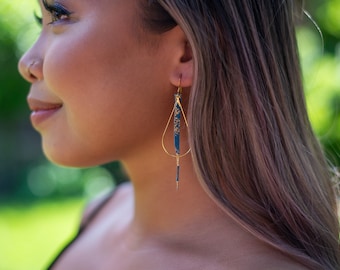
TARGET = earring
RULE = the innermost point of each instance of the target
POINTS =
(177, 112)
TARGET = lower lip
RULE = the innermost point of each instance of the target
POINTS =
(38, 117)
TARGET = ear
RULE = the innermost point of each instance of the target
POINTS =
(184, 68)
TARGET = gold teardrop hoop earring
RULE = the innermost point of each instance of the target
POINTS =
(177, 112)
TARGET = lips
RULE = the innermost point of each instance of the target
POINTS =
(42, 110)
(36, 105)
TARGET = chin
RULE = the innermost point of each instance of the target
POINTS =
(69, 157)
(65, 161)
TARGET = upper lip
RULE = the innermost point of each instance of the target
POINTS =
(39, 105)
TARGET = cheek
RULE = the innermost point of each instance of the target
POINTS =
(113, 101)
(81, 60)
(68, 58)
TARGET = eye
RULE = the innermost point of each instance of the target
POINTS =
(57, 12)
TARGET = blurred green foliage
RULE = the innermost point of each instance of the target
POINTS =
(32, 235)
(17, 32)
(320, 58)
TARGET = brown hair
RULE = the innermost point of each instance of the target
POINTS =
(252, 143)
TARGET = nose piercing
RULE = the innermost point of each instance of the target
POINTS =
(29, 67)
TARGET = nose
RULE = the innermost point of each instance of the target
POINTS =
(31, 68)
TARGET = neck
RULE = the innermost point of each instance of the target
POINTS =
(184, 217)
(159, 206)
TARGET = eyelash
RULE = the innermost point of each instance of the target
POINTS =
(57, 12)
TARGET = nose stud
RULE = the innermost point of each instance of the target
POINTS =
(29, 67)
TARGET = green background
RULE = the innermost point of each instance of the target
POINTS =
(41, 204)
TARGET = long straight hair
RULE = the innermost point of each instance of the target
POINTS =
(251, 140)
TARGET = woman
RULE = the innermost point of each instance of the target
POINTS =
(254, 190)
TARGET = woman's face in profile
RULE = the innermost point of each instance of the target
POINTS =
(100, 86)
